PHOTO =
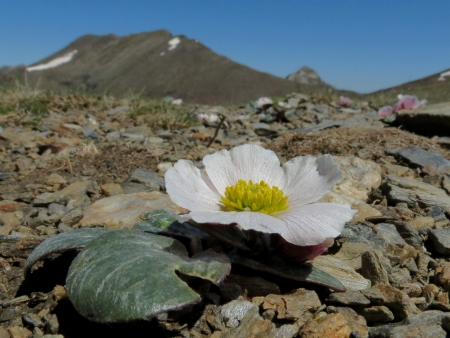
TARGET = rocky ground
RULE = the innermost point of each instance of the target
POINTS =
(87, 165)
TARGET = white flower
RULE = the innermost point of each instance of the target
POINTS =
(284, 104)
(177, 101)
(282, 201)
(205, 118)
(262, 101)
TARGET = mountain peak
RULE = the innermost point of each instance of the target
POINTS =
(307, 76)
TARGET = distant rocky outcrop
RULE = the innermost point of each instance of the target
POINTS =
(306, 76)
(156, 64)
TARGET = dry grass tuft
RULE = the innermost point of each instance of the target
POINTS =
(356, 141)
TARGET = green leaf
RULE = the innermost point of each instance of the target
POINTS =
(72, 240)
(124, 275)
(165, 222)
(298, 272)
(229, 234)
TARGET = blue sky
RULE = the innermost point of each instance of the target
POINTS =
(361, 45)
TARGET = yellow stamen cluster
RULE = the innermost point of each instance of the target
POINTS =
(258, 197)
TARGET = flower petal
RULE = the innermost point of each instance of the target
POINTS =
(308, 178)
(312, 224)
(187, 188)
(247, 162)
(246, 219)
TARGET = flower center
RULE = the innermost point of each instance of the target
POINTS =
(258, 197)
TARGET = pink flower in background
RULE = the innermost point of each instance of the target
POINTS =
(344, 101)
(405, 102)
(408, 102)
(385, 111)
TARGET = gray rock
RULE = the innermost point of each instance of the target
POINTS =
(431, 120)
(72, 217)
(390, 233)
(412, 192)
(373, 269)
(235, 311)
(398, 302)
(441, 240)
(374, 295)
(399, 277)
(348, 298)
(57, 209)
(380, 314)
(75, 191)
(418, 157)
(117, 110)
(409, 233)
(32, 320)
(133, 187)
(147, 177)
(437, 214)
(413, 331)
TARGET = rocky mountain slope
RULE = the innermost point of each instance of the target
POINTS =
(155, 64)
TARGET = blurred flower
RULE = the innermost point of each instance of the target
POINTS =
(344, 101)
(206, 118)
(408, 102)
(385, 111)
(263, 101)
(177, 101)
(405, 102)
(284, 104)
(247, 186)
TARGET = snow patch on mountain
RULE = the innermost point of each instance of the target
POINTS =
(55, 62)
(173, 43)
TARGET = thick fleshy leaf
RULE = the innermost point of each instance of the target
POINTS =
(124, 275)
(72, 240)
(229, 234)
(298, 272)
(165, 222)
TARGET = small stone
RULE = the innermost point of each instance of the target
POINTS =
(75, 191)
(437, 214)
(32, 320)
(164, 166)
(373, 269)
(147, 177)
(59, 292)
(374, 295)
(57, 209)
(348, 298)
(72, 217)
(54, 179)
(379, 314)
(111, 189)
(390, 233)
(409, 234)
(364, 211)
(357, 323)
(399, 276)
(4, 333)
(123, 211)
(291, 306)
(352, 280)
(422, 222)
(412, 289)
(19, 332)
(397, 301)
(442, 277)
(420, 158)
(332, 325)
(441, 240)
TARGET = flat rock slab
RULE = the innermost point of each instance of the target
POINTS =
(441, 240)
(352, 280)
(419, 158)
(411, 191)
(431, 120)
(123, 211)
